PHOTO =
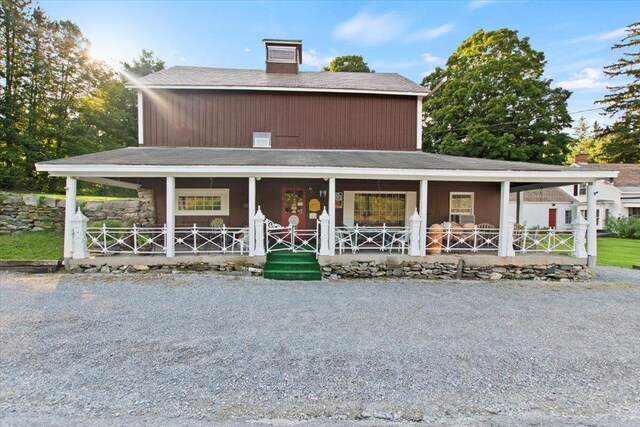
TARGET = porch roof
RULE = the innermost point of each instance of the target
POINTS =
(160, 161)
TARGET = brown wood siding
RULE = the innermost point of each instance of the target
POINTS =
(197, 118)
(486, 200)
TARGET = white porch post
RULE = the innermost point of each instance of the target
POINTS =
(505, 247)
(519, 203)
(592, 241)
(424, 184)
(332, 214)
(170, 240)
(325, 220)
(69, 212)
(258, 227)
(252, 210)
(79, 225)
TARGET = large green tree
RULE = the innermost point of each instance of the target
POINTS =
(623, 101)
(495, 103)
(348, 64)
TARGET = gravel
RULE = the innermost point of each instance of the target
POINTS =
(193, 349)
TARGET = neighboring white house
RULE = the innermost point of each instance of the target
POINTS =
(559, 206)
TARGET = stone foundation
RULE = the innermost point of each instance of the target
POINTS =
(231, 268)
(32, 213)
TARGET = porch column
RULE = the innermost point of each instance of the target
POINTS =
(332, 215)
(171, 217)
(505, 246)
(519, 200)
(252, 211)
(592, 234)
(424, 184)
(69, 212)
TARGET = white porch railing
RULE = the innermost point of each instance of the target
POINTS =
(290, 238)
(465, 239)
(354, 239)
(133, 240)
(211, 240)
(546, 240)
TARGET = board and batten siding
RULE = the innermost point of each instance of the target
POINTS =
(209, 118)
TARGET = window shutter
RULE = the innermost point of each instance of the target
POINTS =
(575, 190)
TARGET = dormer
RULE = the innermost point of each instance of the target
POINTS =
(283, 56)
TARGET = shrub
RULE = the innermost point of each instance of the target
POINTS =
(627, 227)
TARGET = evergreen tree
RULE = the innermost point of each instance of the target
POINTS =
(348, 64)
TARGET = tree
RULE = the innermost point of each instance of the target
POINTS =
(588, 141)
(623, 101)
(348, 64)
(495, 103)
(144, 65)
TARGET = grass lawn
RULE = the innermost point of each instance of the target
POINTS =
(618, 252)
(30, 245)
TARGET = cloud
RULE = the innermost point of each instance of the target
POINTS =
(313, 58)
(616, 34)
(477, 4)
(430, 59)
(368, 29)
(588, 78)
(246, 49)
(430, 33)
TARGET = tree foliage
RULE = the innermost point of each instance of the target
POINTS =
(495, 103)
(55, 100)
(623, 101)
(588, 141)
(348, 64)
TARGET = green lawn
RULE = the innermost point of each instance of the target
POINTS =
(618, 252)
(30, 245)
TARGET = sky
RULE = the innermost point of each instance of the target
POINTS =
(407, 37)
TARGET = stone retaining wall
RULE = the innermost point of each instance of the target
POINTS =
(32, 213)
(230, 267)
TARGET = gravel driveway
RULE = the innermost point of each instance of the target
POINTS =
(215, 350)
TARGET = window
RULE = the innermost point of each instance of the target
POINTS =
(262, 139)
(371, 209)
(580, 189)
(634, 211)
(460, 204)
(583, 212)
(597, 217)
(568, 217)
(607, 214)
(209, 201)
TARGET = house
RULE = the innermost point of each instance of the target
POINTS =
(557, 207)
(248, 162)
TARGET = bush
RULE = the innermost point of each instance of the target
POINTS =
(627, 227)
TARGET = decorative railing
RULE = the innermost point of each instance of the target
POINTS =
(211, 240)
(132, 240)
(290, 238)
(467, 239)
(547, 240)
(354, 239)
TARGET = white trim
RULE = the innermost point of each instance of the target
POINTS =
(419, 124)
(277, 89)
(462, 193)
(320, 171)
(592, 229)
(70, 210)
(332, 216)
(410, 203)
(503, 240)
(252, 213)
(223, 193)
(140, 118)
(170, 243)
(422, 210)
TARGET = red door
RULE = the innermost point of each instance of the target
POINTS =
(293, 207)
(552, 218)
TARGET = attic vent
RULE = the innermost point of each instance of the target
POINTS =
(287, 54)
(262, 139)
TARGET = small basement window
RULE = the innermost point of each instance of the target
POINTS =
(202, 201)
(262, 139)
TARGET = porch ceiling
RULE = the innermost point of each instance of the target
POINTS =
(197, 161)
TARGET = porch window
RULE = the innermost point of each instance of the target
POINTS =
(371, 209)
(196, 201)
(460, 206)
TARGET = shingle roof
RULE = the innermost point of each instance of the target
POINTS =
(237, 78)
(629, 175)
(550, 194)
(197, 156)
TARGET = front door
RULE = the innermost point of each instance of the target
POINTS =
(293, 207)
(552, 218)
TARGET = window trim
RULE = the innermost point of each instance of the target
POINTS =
(462, 193)
(222, 192)
(570, 212)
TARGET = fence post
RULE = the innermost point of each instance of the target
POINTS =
(79, 227)
(579, 237)
(511, 223)
(324, 232)
(258, 220)
(414, 237)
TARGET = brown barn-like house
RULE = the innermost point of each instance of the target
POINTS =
(251, 162)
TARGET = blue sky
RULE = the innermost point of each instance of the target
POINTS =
(410, 38)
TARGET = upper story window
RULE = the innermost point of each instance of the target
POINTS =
(460, 207)
(202, 201)
(580, 189)
(288, 54)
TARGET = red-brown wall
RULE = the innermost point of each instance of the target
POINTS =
(209, 118)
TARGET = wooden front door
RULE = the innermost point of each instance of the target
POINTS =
(293, 207)
(552, 218)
